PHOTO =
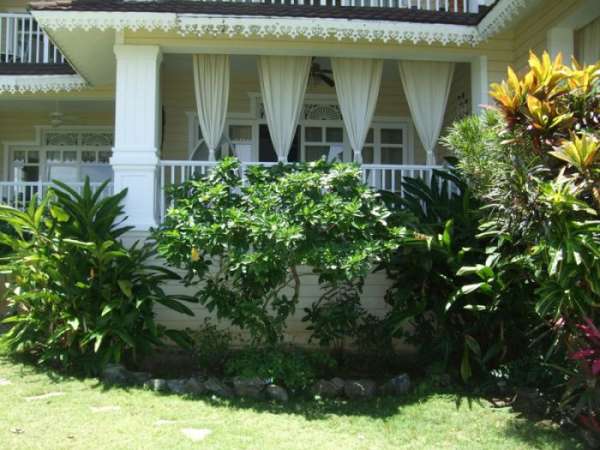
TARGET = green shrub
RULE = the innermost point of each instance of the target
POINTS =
(78, 298)
(541, 224)
(245, 245)
(211, 346)
(291, 367)
(467, 336)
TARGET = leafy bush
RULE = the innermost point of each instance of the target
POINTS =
(247, 243)
(540, 185)
(211, 346)
(290, 367)
(468, 335)
(78, 298)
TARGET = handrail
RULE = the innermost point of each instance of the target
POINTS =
(379, 176)
(19, 193)
(22, 41)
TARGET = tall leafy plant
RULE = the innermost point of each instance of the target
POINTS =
(542, 206)
(465, 335)
(78, 297)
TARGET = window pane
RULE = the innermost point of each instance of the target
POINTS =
(313, 134)
(66, 174)
(33, 156)
(335, 135)
(391, 136)
(391, 155)
(70, 156)
(370, 136)
(104, 157)
(19, 156)
(30, 173)
(367, 155)
(240, 133)
(315, 152)
(96, 173)
(53, 155)
(88, 157)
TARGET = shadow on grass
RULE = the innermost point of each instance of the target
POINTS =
(535, 435)
(519, 428)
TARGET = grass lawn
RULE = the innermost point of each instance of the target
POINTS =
(42, 410)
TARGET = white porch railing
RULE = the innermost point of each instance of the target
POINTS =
(23, 41)
(455, 6)
(387, 177)
(19, 193)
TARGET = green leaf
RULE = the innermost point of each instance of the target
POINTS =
(106, 310)
(126, 287)
(74, 323)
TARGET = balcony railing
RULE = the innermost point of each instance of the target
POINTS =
(455, 6)
(387, 177)
(22, 41)
(18, 194)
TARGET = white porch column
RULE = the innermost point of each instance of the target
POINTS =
(137, 131)
(480, 86)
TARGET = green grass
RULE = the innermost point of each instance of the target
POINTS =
(416, 422)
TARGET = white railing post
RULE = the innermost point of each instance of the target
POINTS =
(473, 6)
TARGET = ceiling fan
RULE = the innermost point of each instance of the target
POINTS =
(58, 118)
(318, 74)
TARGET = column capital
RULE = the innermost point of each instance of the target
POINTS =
(127, 51)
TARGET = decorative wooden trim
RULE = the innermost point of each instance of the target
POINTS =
(21, 84)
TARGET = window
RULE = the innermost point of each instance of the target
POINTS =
(26, 165)
(66, 156)
(385, 144)
(320, 141)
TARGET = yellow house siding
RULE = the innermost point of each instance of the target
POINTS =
(531, 34)
(20, 126)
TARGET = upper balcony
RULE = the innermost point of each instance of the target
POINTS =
(29, 60)
(23, 43)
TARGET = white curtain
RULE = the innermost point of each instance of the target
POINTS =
(426, 86)
(283, 82)
(589, 43)
(357, 84)
(211, 83)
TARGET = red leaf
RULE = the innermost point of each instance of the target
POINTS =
(596, 367)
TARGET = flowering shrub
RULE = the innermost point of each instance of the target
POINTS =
(244, 244)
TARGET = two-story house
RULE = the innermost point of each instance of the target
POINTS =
(147, 93)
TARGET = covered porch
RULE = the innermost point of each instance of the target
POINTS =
(157, 139)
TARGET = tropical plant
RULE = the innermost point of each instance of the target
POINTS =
(465, 334)
(212, 346)
(582, 394)
(540, 220)
(78, 298)
(287, 366)
(249, 244)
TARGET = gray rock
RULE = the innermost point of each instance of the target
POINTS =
(115, 374)
(218, 388)
(176, 386)
(278, 393)
(157, 384)
(249, 387)
(360, 389)
(398, 385)
(328, 388)
(194, 386)
(139, 377)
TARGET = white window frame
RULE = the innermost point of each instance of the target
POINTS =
(251, 119)
(39, 145)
